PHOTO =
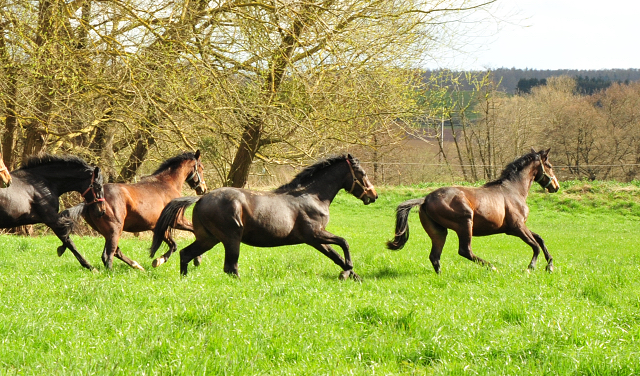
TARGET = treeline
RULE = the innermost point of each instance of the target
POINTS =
(512, 80)
(252, 84)
(592, 136)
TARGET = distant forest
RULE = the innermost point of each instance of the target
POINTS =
(588, 80)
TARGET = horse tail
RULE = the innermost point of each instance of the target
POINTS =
(402, 223)
(71, 216)
(168, 218)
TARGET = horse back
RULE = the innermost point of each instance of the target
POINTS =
(262, 219)
(454, 207)
(137, 207)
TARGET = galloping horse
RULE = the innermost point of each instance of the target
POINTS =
(33, 196)
(136, 207)
(498, 207)
(5, 176)
(295, 213)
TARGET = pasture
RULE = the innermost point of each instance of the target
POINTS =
(288, 313)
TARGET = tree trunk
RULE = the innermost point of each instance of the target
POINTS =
(10, 123)
(37, 136)
(250, 143)
(11, 95)
(144, 139)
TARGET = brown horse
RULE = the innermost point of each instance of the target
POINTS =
(498, 207)
(5, 176)
(295, 213)
(136, 207)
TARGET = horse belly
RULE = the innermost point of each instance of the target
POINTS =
(269, 232)
(489, 222)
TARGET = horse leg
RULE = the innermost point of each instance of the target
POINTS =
(184, 224)
(172, 248)
(547, 255)
(338, 260)
(438, 235)
(527, 236)
(231, 255)
(132, 263)
(321, 241)
(62, 232)
(193, 250)
(464, 244)
(110, 247)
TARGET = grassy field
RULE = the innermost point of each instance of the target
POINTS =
(288, 314)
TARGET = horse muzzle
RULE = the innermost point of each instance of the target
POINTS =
(554, 186)
(370, 196)
(201, 189)
(6, 184)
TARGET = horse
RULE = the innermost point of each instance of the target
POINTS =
(294, 213)
(136, 207)
(33, 196)
(5, 176)
(495, 208)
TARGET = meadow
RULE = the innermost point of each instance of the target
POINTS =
(289, 315)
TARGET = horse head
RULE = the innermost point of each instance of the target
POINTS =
(5, 176)
(196, 178)
(94, 194)
(367, 191)
(545, 176)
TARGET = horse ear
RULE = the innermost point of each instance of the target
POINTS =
(533, 150)
(544, 153)
(198, 154)
(349, 156)
(547, 152)
(97, 176)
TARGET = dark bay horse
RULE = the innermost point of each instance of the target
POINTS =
(136, 207)
(5, 176)
(295, 213)
(498, 207)
(33, 196)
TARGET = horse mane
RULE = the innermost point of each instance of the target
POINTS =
(304, 177)
(174, 162)
(512, 171)
(47, 159)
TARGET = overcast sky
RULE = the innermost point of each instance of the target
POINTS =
(561, 34)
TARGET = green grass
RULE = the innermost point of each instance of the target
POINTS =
(288, 314)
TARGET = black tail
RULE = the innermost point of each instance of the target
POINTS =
(402, 223)
(168, 218)
(72, 214)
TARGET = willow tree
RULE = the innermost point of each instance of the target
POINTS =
(300, 77)
(120, 81)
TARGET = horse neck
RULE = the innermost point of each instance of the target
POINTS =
(174, 177)
(527, 176)
(329, 182)
(59, 183)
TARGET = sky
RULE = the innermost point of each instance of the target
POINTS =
(559, 34)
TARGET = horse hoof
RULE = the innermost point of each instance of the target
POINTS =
(157, 262)
(550, 268)
(137, 266)
(494, 269)
(527, 271)
(349, 274)
(61, 250)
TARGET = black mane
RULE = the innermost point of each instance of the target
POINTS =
(174, 162)
(512, 171)
(48, 159)
(305, 176)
